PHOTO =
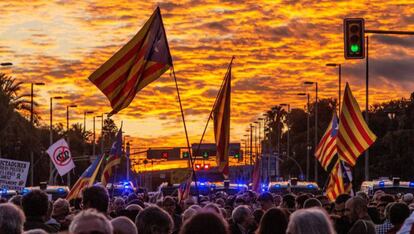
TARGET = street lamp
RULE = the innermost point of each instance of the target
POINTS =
(316, 125)
(339, 81)
(84, 119)
(307, 136)
(67, 134)
(6, 64)
(31, 124)
(51, 135)
(288, 129)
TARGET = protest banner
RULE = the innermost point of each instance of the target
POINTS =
(13, 174)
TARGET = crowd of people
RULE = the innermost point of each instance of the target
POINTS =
(243, 213)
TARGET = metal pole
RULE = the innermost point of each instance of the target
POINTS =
(288, 133)
(316, 131)
(278, 149)
(127, 159)
(93, 143)
(339, 94)
(102, 135)
(84, 121)
(67, 139)
(307, 141)
(366, 113)
(251, 144)
(31, 149)
(51, 140)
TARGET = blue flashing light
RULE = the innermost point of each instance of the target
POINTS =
(25, 190)
(411, 184)
(127, 187)
(277, 186)
(240, 185)
(381, 184)
(60, 190)
(3, 191)
(202, 184)
(310, 186)
(263, 190)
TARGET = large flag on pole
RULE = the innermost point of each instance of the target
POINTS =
(142, 60)
(354, 136)
(221, 117)
(86, 179)
(114, 158)
(184, 188)
(326, 149)
(61, 157)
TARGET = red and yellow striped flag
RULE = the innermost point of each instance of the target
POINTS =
(221, 117)
(336, 183)
(354, 136)
(142, 60)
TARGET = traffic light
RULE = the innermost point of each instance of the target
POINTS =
(186, 154)
(237, 155)
(354, 40)
(206, 166)
(197, 166)
(164, 155)
(205, 155)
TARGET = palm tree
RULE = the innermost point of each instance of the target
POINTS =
(10, 99)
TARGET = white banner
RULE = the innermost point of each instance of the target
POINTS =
(13, 174)
(61, 157)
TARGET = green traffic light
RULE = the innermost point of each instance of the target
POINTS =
(355, 48)
(205, 154)
(236, 155)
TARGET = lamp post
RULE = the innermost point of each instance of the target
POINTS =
(31, 124)
(84, 119)
(126, 151)
(51, 135)
(307, 136)
(67, 135)
(102, 124)
(316, 127)
(339, 81)
(246, 142)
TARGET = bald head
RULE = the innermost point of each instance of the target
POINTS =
(356, 208)
(123, 225)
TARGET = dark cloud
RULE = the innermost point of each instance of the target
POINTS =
(395, 40)
(399, 70)
(217, 26)
(252, 84)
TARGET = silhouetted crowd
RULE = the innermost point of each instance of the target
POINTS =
(244, 213)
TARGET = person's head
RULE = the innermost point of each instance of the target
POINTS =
(154, 220)
(35, 231)
(211, 207)
(90, 221)
(363, 195)
(277, 200)
(118, 204)
(35, 204)
(257, 215)
(300, 200)
(188, 202)
(17, 200)
(220, 202)
(188, 213)
(205, 223)
(340, 201)
(408, 198)
(398, 213)
(123, 225)
(312, 202)
(266, 201)
(11, 219)
(356, 208)
(169, 205)
(326, 204)
(95, 197)
(383, 201)
(310, 221)
(60, 208)
(288, 201)
(242, 215)
(274, 221)
(239, 201)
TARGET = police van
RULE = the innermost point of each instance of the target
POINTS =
(293, 186)
(394, 186)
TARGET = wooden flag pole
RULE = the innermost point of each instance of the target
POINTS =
(186, 134)
(211, 112)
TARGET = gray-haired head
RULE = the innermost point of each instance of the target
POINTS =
(241, 213)
(11, 219)
(310, 221)
(89, 221)
(123, 225)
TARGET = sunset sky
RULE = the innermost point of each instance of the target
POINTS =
(277, 45)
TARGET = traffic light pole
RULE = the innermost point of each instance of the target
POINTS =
(367, 83)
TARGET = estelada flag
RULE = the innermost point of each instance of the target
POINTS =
(142, 60)
(340, 181)
(326, 149)
(221, 117)
(114, 158)
(354, 136)
(184, 188)
(86, 179)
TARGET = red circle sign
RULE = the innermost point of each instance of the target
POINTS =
(61, 156)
